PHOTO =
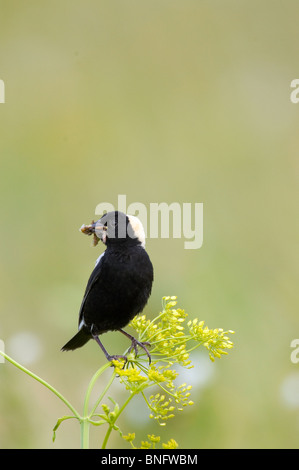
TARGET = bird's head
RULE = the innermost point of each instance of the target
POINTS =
(116, 228)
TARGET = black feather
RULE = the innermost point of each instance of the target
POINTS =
(77, 341)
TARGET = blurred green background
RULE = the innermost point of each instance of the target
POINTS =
(162, 101)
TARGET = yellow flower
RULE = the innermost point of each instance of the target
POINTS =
(145, 445)
(129, 437)
(155, 376)
(153, 438)
(171, 444)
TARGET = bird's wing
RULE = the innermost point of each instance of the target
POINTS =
(96, 273)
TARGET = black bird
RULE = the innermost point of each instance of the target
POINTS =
(120, 284)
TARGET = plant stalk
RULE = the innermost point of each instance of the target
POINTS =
(85, 420)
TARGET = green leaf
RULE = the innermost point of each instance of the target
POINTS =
(59, 423)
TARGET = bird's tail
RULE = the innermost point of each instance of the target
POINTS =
(77, 341)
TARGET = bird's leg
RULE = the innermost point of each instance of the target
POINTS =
(107, 355)
(136, 343)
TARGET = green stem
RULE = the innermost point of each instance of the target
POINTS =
(103, 393)
(107, 437)
(91, 385)
(84, 432)
(85, 424)
(118, 414)
(43, 382)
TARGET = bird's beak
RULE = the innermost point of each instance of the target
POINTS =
(99, 228)
(94, 227)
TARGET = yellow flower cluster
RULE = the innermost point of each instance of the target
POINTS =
(165, 333)
(168, 336)
(138, 379)
(161, 407)
(171, 444)
(151, 443)
(171, 339)
(215, 341)
(132, 377)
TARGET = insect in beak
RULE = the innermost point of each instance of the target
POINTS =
(97, 229)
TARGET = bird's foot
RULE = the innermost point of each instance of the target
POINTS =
(142, 345)
(110, 358)
(117, 357)
(136, 343)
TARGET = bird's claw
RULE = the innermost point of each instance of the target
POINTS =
(117, 357)
(142, 345)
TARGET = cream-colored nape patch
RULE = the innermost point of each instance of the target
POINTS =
(137, 229)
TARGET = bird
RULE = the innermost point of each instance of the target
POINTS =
(120, 284)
